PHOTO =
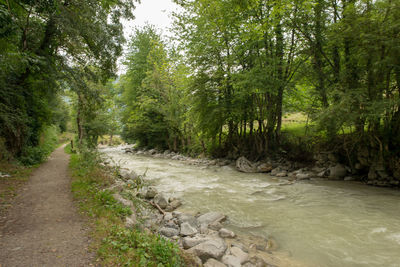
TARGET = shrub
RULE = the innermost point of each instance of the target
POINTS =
(32, 155)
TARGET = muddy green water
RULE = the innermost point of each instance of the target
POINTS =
(319, 223)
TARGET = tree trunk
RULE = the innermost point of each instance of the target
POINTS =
(111, 139)
(79, 120)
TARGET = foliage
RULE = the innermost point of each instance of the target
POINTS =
(152, 93)
(48, 46)
(143, 249)
(48, 142)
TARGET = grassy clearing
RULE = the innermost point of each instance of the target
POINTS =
(295, 124)
(295, 128)
(115, 245)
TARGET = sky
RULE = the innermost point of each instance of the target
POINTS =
(155, 12)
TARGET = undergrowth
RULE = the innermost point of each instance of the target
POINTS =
(115, 245)
(32, 155)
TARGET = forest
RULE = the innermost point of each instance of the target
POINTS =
(221, 87)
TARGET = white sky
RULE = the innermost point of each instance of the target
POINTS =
(154, 12)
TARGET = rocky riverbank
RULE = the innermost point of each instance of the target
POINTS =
(206, 237)
(326, 166)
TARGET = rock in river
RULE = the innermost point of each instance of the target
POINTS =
(244, 165)
(213, 263)
(225, 233)
(231, 261)
(161, 200)
(151, 192)
(169, 232)
(187, 229)
(264, 167)
(214, 248)
(240, 254)
(183, 217)
(189, 242)
(211, 217)
(337, 172)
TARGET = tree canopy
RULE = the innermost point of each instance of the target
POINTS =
(49, 46)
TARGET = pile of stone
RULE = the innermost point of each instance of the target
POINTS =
(167, 154)
(292, 172)
(368, 168)
(203, 236)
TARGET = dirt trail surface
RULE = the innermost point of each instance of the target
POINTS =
(43, 227)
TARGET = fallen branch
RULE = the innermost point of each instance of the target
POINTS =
(155, 205)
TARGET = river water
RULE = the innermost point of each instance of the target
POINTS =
(318, 223)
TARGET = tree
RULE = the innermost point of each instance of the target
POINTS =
(44, 43)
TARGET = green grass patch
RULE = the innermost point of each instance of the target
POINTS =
(67, 149)
(295, 128)
(115, 245)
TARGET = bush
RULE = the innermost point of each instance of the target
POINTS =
(32, 155)
(4, 154)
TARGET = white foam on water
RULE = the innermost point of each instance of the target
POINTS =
(394, 237)
(379, 230)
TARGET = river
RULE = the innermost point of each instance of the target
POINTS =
(318, 222)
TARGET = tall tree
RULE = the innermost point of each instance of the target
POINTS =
(44, 41)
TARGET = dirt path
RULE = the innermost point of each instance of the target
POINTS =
(43, 227)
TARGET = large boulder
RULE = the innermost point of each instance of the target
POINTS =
(168, 232)
(337, 172)
(303, 176)
(173, 204)
(225, 233)
(281, 174)
(151, 192)
(168, 216)
(276, 171)
(213, 248)
(264, 167)
(240, 254)
(187, 229)
(213, 263)
(184, 217)
(244, 165)
(216, 226)
(152, 151)
(211, 217)
(189, 242)
(161, 200)
(231, 261)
